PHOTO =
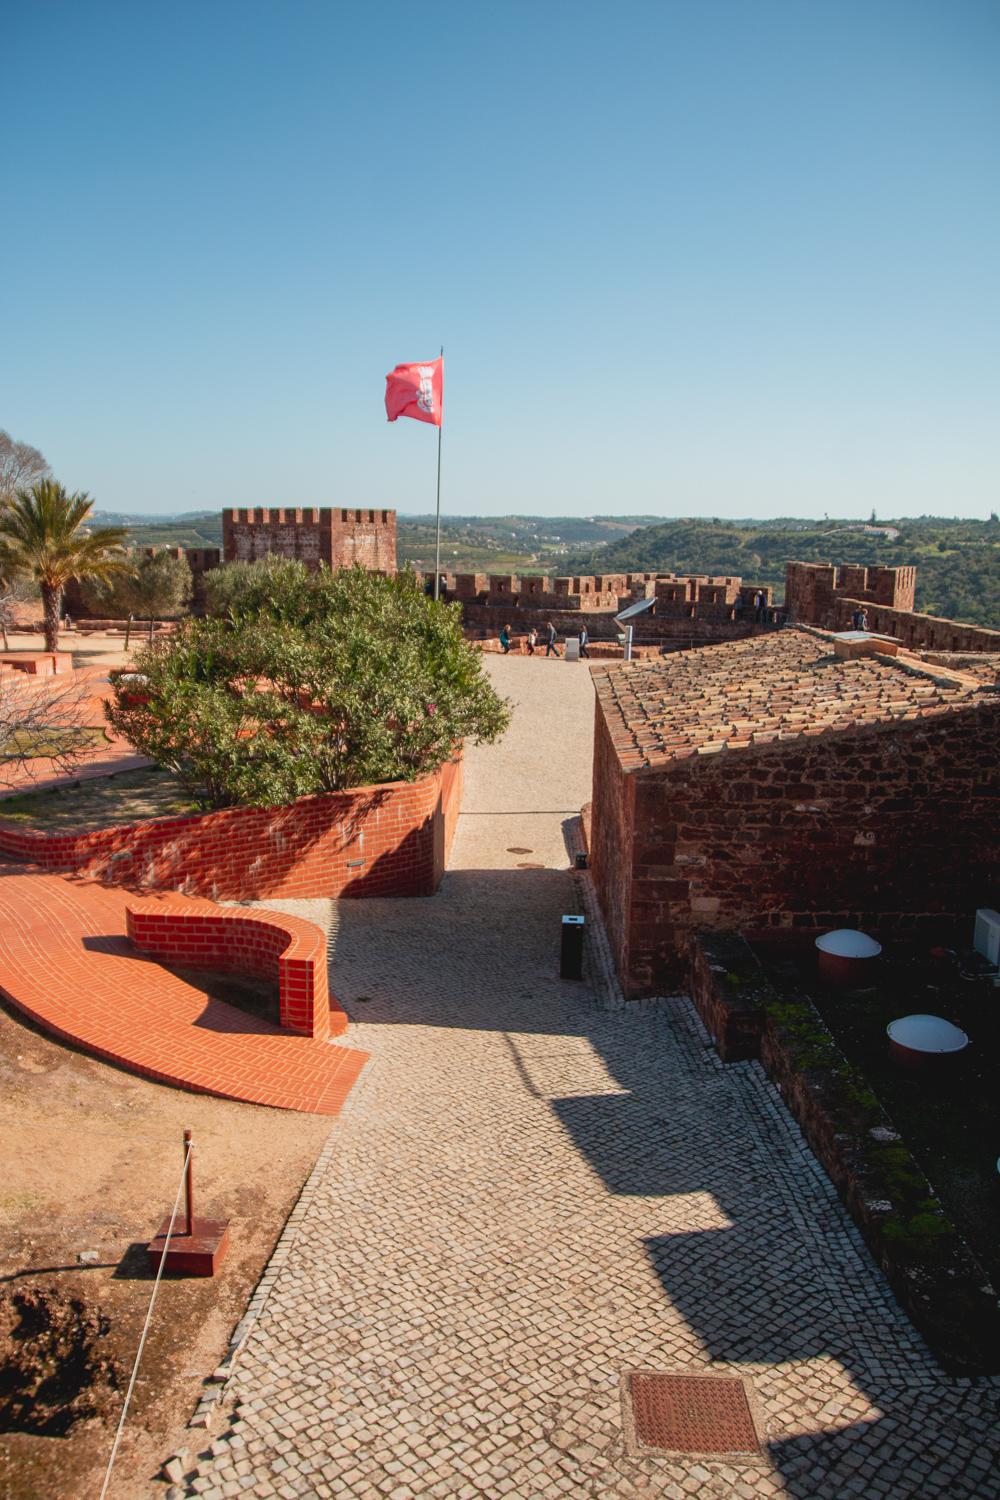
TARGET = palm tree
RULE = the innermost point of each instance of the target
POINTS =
(42, 536)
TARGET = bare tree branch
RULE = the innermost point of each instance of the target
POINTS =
(41, 720)
(20, 465)
(12, 595)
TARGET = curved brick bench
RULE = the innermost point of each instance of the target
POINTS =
(201, 935)
(65, 960)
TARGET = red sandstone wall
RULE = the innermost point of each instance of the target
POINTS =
(892, 826)
(917, 632)
(387, 840)
(707, 623)
(338, 537)
(611, 829)
(816, 594)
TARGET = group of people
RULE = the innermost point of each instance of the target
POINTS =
(859, 619)
(551, 637)
(760, 607)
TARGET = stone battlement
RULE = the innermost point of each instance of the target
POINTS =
(694, 596)
(813, 590)
(338, 537)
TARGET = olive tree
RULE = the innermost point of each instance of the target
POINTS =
(160, 586)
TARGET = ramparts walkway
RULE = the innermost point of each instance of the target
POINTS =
(531, 1194)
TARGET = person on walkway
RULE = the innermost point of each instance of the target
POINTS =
(862, 619)
(739, 605)
(584, 638)
(550, 641)
(532, 641)
(758, 607)
(505, 639)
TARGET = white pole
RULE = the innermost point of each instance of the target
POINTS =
(628, 643)
(437, 547)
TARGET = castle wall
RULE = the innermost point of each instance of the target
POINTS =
(699, 624)
(814, 591)
(918, 632)
(337, 537)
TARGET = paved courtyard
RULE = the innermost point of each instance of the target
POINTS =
(532, 1192)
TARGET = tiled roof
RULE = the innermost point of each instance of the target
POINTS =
(768, 688)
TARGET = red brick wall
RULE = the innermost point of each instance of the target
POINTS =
(890, 826)
(387, 840)
(199, 935)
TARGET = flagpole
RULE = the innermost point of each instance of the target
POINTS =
(437, 547)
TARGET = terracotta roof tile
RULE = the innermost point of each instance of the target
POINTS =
(763, 690)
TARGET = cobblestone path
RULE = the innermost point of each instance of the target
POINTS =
(532, 1193)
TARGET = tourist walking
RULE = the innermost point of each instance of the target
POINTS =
(505, 639)
(862, 619)
(550, 641)
(758, 607)
(532, 641)
(739, 605)
(584, 638)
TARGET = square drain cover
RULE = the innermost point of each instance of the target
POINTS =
(691, 1414)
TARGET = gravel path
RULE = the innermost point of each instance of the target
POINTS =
(533, 1192)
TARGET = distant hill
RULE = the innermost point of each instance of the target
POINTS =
(957, 561)
(122, 518)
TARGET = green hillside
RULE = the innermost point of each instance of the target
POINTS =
(957, 562)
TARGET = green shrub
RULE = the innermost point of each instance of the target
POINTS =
(161, 586)
(316, 683)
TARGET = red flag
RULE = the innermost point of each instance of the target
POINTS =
(415, 391)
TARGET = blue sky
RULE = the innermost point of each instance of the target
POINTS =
(721, 258)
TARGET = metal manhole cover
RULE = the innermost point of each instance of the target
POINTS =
(523, 866)
(516, 849)
(692, 1414)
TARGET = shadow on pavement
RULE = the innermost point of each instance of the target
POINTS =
(484, 955)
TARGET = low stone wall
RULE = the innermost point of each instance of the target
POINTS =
(930, 1268)
(916, 632)
(387, 840)
(267, 944)
(708, 623)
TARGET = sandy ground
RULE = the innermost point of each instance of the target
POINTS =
(99, 649)
(96, 1179)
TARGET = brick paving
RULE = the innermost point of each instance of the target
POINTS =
(535, 1189)
(66, 962)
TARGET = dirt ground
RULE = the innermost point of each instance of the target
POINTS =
(95, 1181)
(125, 797)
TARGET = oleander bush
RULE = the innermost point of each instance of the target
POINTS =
(310, 683)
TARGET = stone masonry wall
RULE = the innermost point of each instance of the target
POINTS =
(814, 591)
(386, 840)
(338, 537)
(612, 825)
(706, 623)
(918, 632)
(891, 825)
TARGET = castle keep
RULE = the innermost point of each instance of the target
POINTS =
(337, 537)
